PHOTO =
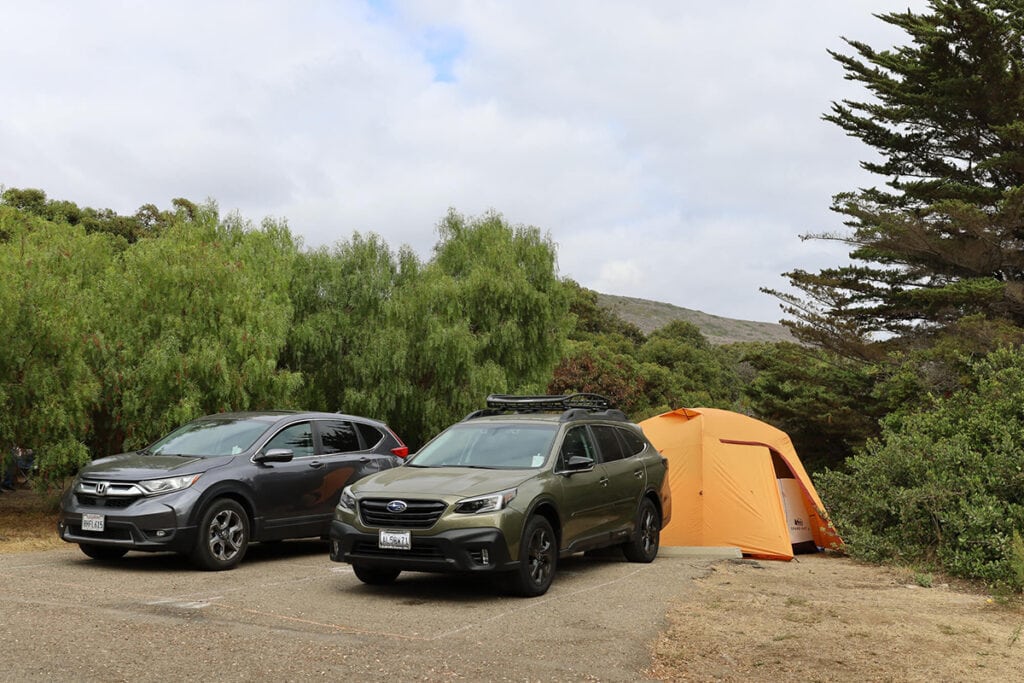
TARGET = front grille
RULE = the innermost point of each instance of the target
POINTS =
(104, 502)
(366, 548)
(419, 514)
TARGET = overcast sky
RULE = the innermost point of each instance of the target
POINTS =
(673, 150)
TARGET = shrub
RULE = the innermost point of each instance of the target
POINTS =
(943, 486)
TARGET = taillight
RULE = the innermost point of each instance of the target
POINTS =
(401, 450)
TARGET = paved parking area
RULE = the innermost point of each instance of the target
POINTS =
(289, 614)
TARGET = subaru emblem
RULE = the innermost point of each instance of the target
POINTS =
(397, 506)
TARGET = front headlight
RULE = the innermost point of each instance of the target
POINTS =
(489, 503)
(157, 486)
(347, 500)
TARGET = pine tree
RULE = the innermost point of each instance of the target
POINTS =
(943, 239)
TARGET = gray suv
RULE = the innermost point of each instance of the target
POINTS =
(507, 492)
(213, 485)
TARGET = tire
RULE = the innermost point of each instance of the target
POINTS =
(375, 576)
(538, 559)
(102, 552)
(223, 536)
(643, 547)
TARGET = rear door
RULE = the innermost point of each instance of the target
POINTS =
(626, 478)
(343, 455)
(297, 498)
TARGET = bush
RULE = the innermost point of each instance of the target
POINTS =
(944, 486)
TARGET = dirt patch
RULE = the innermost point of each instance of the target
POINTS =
(828, 618)
(28, 521)
(818, 618)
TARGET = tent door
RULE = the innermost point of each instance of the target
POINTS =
(797, 520)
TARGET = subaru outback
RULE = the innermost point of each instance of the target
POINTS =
(508, 491)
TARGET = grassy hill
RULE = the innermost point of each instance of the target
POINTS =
(650, 315)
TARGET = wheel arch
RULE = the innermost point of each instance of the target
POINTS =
(240, 497)
(547, 509)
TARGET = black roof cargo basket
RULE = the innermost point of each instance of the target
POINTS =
(527, 404)
(572, 406)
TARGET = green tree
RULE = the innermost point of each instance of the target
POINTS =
(943, 239)
(826, 403)
(487, 314)
(944, 485)
(345, 338)
(192, 323)
(147, 221)
(47, 386)
(421, 344)
(696, 373)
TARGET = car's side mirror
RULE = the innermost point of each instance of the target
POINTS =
(274, 455)
(579, 463)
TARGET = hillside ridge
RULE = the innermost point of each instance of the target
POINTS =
(651, 315)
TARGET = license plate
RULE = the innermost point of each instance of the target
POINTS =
(394, 540)
(92, 522)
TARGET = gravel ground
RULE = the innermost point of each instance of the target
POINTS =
(289, 614)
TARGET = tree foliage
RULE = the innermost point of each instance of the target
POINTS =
(421, 344)
(46, 383)
(826, 403)
(944, 485)
(673, 367)
(193, 322)
(943, 239)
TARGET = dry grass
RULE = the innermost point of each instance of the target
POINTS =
(828, 618)
(28, 521)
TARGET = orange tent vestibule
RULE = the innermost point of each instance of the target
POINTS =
(737, 482)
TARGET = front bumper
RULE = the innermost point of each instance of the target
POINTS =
(150, 524)
(481, 549)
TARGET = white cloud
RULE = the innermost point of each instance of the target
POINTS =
(673, 150)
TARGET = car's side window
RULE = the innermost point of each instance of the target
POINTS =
(634, 443)
(338, 436)
(611, 448)
(371, 435)
(297, 437)
(576, 442)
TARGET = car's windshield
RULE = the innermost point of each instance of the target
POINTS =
(210, 438)
(488, 445)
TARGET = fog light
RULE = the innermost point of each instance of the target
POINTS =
(483, 557)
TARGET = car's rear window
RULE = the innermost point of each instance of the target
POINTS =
(489, 445)
(211, 438)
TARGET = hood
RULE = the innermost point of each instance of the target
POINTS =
(138, 467)
(440, 481)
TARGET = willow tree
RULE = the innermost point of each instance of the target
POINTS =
(487, 314)
(942, 238)
(49, 272)
(193, 322)
(345, 339)
(419, 344)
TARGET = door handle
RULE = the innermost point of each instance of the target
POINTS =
(603, 481)
(316, 464)
(639, 474)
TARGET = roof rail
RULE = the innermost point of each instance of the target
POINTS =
(533, 404)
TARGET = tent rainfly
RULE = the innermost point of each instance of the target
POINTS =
(738, 482)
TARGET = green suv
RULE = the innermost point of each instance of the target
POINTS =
(509, 490)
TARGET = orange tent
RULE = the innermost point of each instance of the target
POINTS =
(737, 481)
